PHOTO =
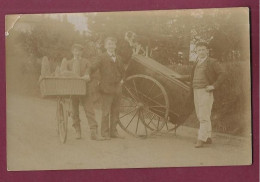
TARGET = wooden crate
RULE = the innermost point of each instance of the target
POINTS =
(57, 86)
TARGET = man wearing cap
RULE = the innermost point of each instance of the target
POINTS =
(206, 77)
(111, 71)
(79, 67)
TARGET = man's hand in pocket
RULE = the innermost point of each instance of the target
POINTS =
(209, 88)
(86, 77)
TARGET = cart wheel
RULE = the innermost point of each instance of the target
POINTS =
(144, 107)
(169, 126)
(62, 120)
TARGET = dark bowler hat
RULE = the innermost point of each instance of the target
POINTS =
(202, 43)
(77, 46)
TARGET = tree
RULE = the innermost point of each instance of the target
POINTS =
(175, 30)
(51, 37)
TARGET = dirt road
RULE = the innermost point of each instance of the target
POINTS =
(32, 144)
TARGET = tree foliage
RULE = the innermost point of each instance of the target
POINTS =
(166, 32)
(50, 37)
(173, 31)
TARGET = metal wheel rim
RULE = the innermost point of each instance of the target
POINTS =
(62, 119)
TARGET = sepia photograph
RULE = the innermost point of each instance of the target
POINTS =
(128, 89)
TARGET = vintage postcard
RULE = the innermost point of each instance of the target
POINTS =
(133, 89)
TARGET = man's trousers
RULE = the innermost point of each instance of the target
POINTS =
(110, 112)
(203, 102)
(88, 107)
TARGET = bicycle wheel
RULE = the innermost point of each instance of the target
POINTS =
(62, 120)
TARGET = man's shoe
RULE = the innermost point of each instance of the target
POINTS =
(107, 138)
(98, 138)
(94, 136)
(78, 131)
(78, 134)
(199, 144)
(116, 135)
(209, 141)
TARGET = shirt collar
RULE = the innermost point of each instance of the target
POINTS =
(111, 54)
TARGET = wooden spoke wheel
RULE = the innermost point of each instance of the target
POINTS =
(62, 120)
(144, 107)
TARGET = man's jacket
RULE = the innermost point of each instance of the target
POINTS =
(214, 72)
(111, 73)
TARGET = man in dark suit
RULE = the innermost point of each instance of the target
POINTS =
(206, 77)
(79, 67)
(111, 69)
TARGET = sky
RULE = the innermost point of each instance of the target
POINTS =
(77, 19)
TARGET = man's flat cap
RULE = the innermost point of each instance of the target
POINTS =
(77, 46)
